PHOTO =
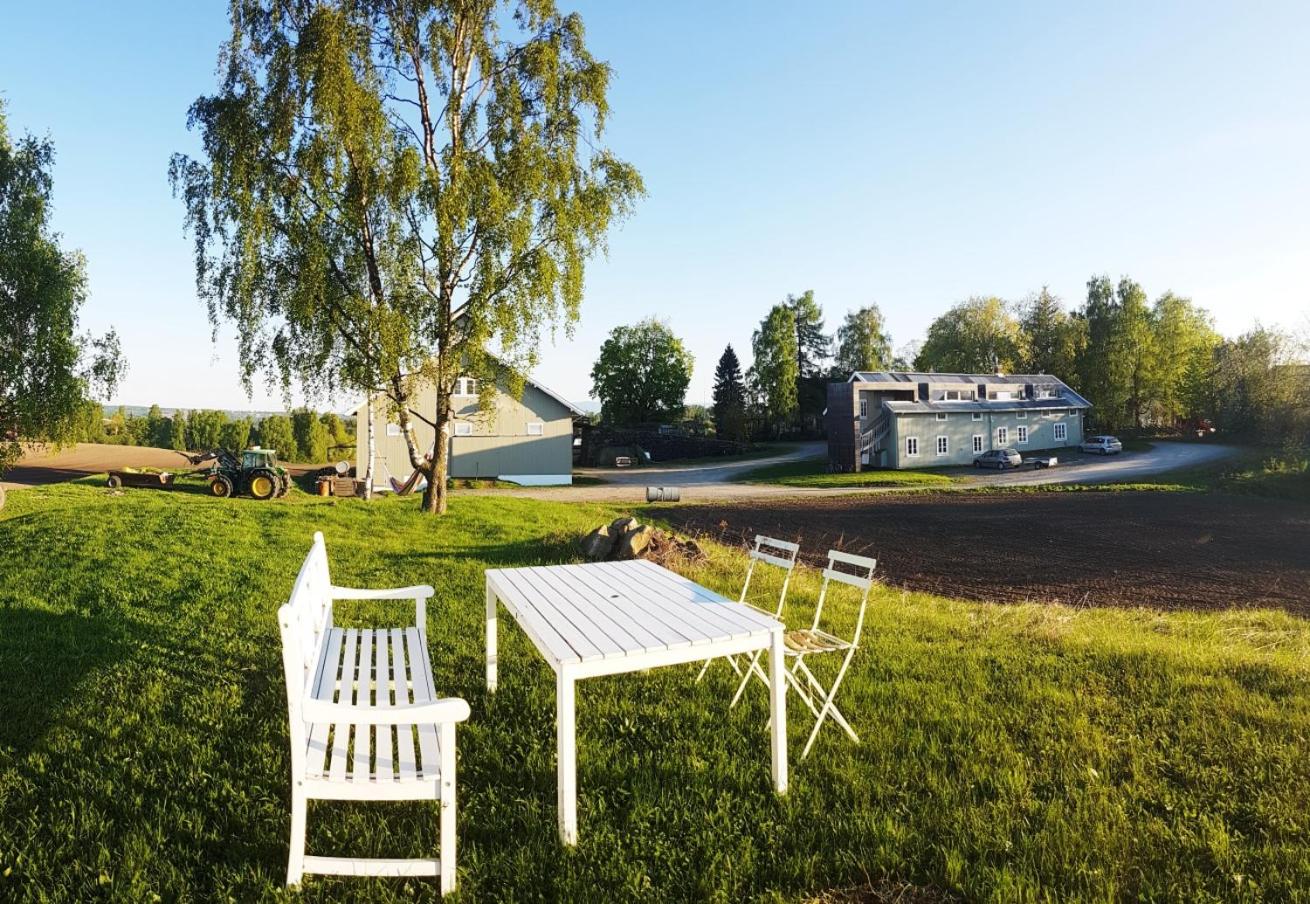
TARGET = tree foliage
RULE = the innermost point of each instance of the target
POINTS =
(642, 374)
(976, 336)
(388, 189)
(1052, 337)
(47, 371)
(275, 432)
(311, 436)
(729, 398)
(776, 368)
(813, 345)
(863, 342)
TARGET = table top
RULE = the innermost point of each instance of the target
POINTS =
(613, 610)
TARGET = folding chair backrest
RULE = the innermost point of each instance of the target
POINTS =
(778, 553)
(859, 575)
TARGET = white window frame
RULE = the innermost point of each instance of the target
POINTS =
(463, 428)
(466, 387)
(1073, 412)
(1002, 437)
(1021, 415)
(978, 444)
(393, 430)
(1023, 435)
(943, 446)
(536, 428)
(864, 408)
(977, 415)
(911, 447)
(1061, 433)
(941, 415)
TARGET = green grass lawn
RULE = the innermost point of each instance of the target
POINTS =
(813, 472)
(1010, 753)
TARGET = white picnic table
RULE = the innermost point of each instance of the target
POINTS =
(608, 618)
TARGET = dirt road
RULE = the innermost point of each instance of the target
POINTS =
(1165, 550)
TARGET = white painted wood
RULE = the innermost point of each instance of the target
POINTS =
(566, 757)
(347, 691)
(777, 712)
(609, 618)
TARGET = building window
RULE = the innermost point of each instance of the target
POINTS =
(536, 428)
(1003, 396)
(911, 446)
(466, 386)
(1002, 436)
(1022, 415)
(393, 430)
(1061, 433)
(977, 443)
(941, 416)
(1023, 436)
(864, 408)
(1073, 412)
(977, 415)
(943, 445)
(463, 428)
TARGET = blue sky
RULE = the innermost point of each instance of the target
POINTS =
(910, 154)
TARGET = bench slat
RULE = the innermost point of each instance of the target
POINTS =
(363, 697)
(404, 733)
(424, 692)
(341, 731)
(385, 769)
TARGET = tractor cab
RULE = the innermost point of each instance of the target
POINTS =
(258, 458)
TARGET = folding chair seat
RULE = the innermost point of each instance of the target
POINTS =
(779, 554)
(800, 644)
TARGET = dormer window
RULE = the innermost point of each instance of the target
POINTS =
(959, 395)
(466, 386)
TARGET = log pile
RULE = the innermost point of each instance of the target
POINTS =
(626, 538)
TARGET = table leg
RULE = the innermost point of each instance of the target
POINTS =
(491, 638)
(566, 756)
(778, 712)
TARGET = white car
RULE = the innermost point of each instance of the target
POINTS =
(1103, 445)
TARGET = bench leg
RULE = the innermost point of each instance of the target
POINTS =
(296, 858)
(566, 756)
(447, 808)
(491, 638)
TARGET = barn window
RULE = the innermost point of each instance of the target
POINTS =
(536, 428)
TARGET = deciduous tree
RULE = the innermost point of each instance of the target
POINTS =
(776, 368)
(863, 342)
(642, 374)
(389, 189)
(976, 336)
(47, 371)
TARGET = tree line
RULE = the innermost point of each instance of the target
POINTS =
(300, 436)
(1142, 364)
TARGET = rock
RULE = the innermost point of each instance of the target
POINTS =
(599, 544)
(620, 526)
(634, 542)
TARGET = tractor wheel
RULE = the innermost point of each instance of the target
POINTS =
(263, 484)
(220, 486)
(114, 481)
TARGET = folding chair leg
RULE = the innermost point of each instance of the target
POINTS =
(752, 668)
(830, 708)
(296, 857)
(703, 669)
(821, 694)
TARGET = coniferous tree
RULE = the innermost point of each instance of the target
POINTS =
(729, 397)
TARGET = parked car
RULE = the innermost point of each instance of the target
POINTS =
(999, 459)
(1102, 445)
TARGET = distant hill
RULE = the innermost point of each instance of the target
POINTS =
(143, 410)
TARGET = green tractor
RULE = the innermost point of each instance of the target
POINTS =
(255, 473)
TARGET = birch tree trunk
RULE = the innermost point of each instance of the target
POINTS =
(372, 451)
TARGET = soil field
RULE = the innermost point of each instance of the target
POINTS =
(1163, 550)
(84, 459)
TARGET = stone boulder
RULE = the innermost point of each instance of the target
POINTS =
(633, 542)
(598, 545)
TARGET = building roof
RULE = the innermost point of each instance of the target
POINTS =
(910, 379)
(574, 410)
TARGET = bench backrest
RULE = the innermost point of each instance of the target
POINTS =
(304, 621)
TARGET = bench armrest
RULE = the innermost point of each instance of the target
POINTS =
(447, 709)
(419, 593)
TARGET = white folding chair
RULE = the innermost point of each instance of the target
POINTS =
(783, 556)
(814, 641)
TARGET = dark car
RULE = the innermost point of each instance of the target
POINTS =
(999, 459)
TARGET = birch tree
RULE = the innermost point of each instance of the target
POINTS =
(391, 191)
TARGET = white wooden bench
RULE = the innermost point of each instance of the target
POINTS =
(373, 685)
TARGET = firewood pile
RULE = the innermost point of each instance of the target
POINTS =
(626, 538)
